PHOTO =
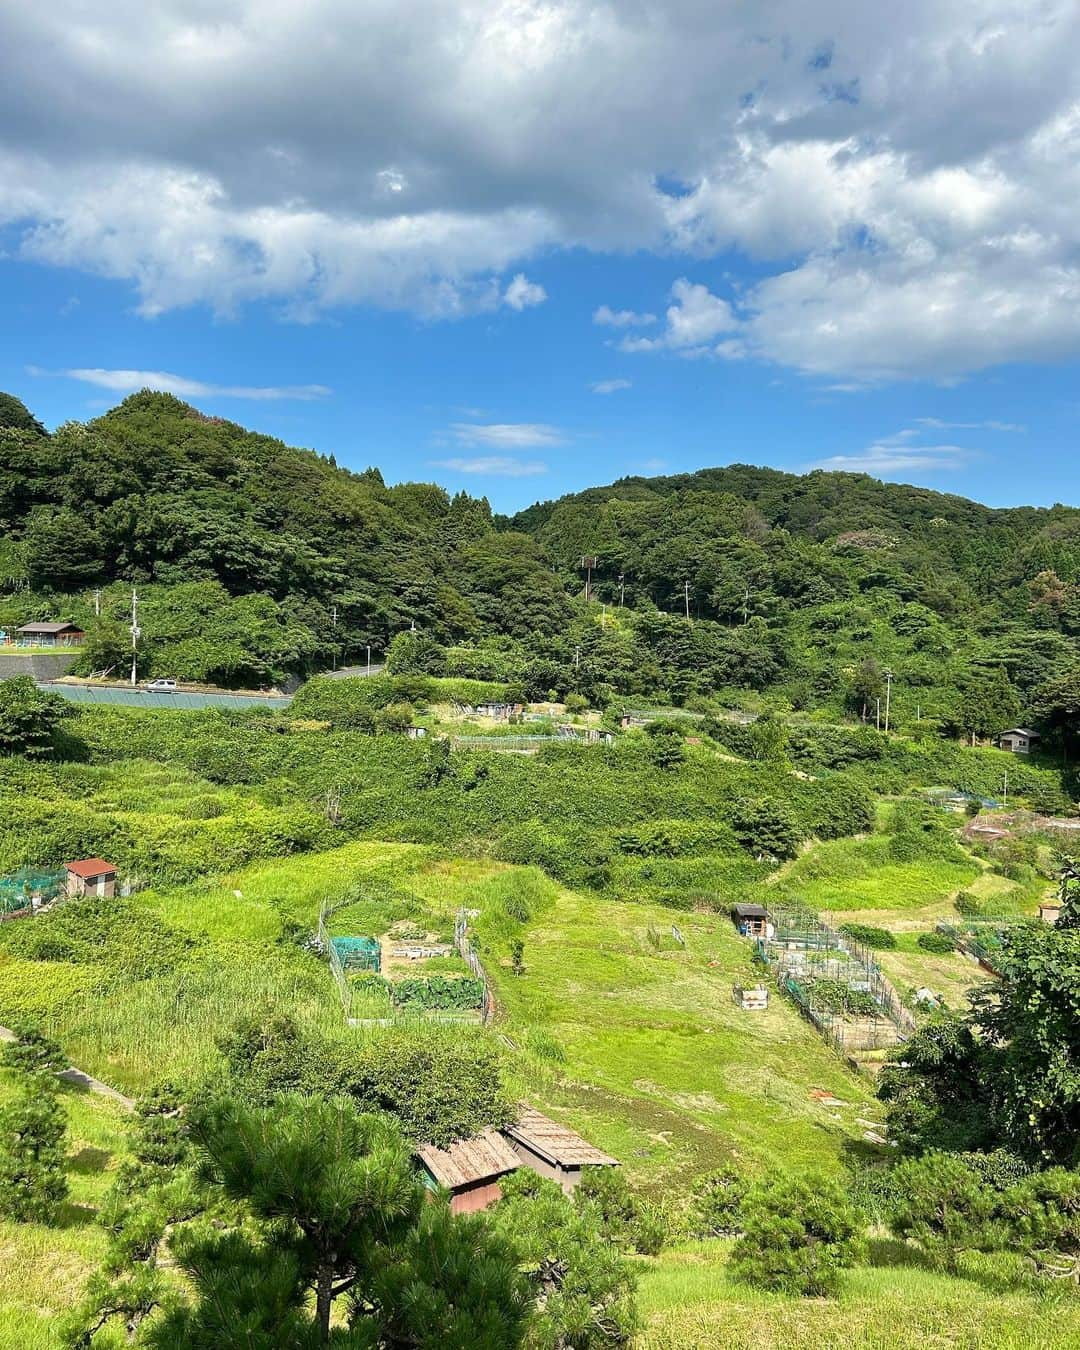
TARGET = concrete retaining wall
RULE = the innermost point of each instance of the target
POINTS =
(39, 666)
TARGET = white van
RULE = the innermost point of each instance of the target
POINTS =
(162, 686)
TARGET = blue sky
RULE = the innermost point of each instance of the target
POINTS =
(592, 242)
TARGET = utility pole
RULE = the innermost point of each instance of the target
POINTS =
(97, 604)
(622, 588)
(878, 722)
(588, 562)
(369, 659)
(686, 597)
(1005, 801)
(134, 634)
(333, 625)
(746, 606)
(888, 698)
(577, 658)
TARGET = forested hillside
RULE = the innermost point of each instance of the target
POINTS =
(256, 561)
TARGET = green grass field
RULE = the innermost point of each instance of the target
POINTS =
(646, 1052)
(688, 1302)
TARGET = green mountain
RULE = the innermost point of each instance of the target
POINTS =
(255, 560)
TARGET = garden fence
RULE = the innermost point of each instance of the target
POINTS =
(835, 981)
(468, 954)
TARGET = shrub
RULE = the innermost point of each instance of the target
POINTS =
(799, 1235)
(717, 1205)
(937, 943)
(967, 904)
(879, 939)
(943, 1204)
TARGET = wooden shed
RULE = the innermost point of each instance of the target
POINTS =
(553, 1150)
(1018, 740)
(471, 1169)
(50, 635)
(90, 876)
(750, 920)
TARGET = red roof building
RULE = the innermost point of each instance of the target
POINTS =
(90, 876)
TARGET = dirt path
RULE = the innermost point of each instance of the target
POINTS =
(83, 1080)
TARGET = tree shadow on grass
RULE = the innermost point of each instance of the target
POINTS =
(89, 1161)
(998, 1273)
(884, 1251)
(72, 1215)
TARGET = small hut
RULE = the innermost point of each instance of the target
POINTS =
(750, 920)
(50, 635)
(471, 1169)
(553, 1150)
(90, 876)
(1050, 911)
(1018, 740)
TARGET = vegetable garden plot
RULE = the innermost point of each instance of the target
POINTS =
(835, 981)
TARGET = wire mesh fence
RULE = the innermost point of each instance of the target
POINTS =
(980, 938)
(468, 954)
(24, 891)
(834, 980)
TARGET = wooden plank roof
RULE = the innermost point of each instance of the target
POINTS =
(558, 1144)
(484, 1157)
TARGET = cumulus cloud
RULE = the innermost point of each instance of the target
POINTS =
(496, 466)
(695, 319)
(127, 381)
(507, 435)
(523, 293)
(904, 191)
(607, 317)
(609, 386)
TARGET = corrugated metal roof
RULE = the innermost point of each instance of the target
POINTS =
(49, 628)
(481, 1158)
(559, 1144)
(750, 911)
(90, 867)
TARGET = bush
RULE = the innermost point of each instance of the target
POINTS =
(879, 939)
(944, 1205)
(967, 904)
(717, 1205)
(799, 1235)
(937, 943)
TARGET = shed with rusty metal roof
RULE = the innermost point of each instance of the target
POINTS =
(470, 1169)
(552, 1149)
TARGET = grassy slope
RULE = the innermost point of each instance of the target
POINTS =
(660, 1066)
(690, 1303)
(42, 1270)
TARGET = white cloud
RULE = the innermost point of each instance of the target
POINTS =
(885, 459)
(607, 317)
(497, 466)
(507, 435)
(908, 203)
(523, 293)
(127, 381)
(609, 386)
(694, 320)
(938, 425)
